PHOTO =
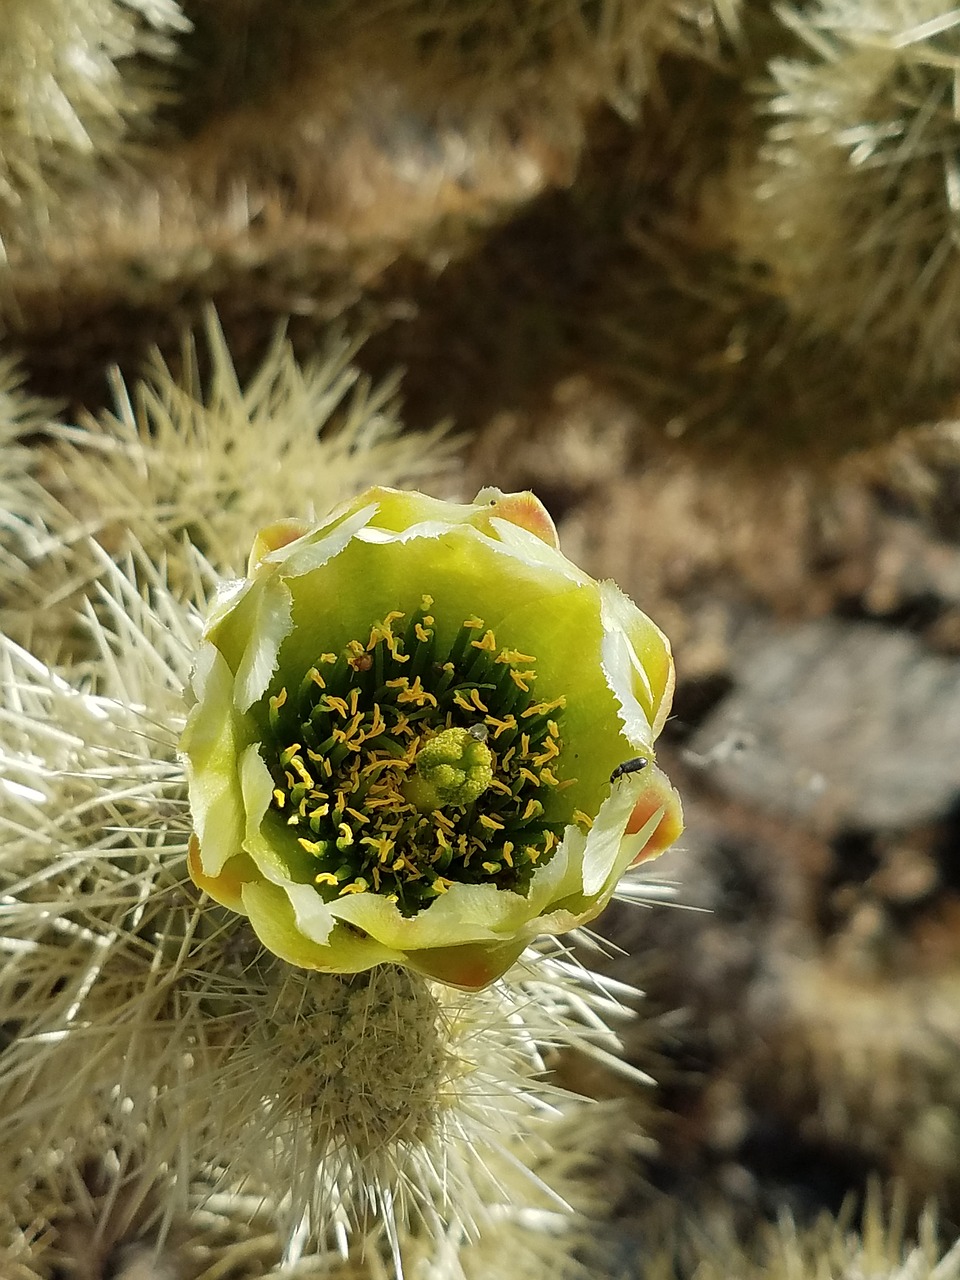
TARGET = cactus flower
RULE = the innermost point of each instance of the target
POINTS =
(421, 736)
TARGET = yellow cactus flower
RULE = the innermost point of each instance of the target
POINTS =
(423, 737)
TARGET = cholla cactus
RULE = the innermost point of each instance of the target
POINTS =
(883, 1247)
(147, 1029)
(20, 494)
(855, 200)
(68, 90)
(168, 470)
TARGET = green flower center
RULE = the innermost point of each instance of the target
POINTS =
(405, 770)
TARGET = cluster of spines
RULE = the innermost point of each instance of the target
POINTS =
(348, 741)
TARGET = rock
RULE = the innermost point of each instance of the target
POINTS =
(839, 725)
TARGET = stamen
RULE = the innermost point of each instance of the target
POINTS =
(409, 758)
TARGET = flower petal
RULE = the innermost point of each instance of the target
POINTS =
(226, 887)
(637, 665)
(274, 921)
(471, 967)
(524, 510)
(211, 745)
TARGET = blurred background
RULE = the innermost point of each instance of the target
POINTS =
(691, 271)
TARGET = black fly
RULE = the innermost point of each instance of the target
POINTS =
(629, 766)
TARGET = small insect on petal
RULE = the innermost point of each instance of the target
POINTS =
(629, 766)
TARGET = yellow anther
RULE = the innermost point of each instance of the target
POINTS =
(541, 708)
(280, 797)
(533, 810)
(355, 722)
(477, 702)
(497, 785)
(354, 700)
(473, 623)
(583, 819)
(346, 835)
(325, 877)
(378, 724)
(277, 700)
(358, 886)
(314, 675)
(514, 655)
(522, 678)
(492, 867)
(488, 642)
(398, 865)
(532, 852)
(492, 824)
(422, 633)
(332, 703)
(549, 778)
(426, 602)
(301, 768)
(441, 884)
(507, 853)
(416, 693)
(463, 703)
(552, 729)
(287, 755)
(501, 726)
(312, 846)
(524, 744)
(321, 811)
(529, 775)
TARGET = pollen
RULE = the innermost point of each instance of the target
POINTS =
(488, 643)
(522, 679)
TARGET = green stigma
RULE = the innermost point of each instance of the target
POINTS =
(454, 767)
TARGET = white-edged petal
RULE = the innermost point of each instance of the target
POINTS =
(272, 622)
(532, 550)
(312, 552)
(608, 852)
(257, 788)
(621, 666)
(314, 918)
(210, 746)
